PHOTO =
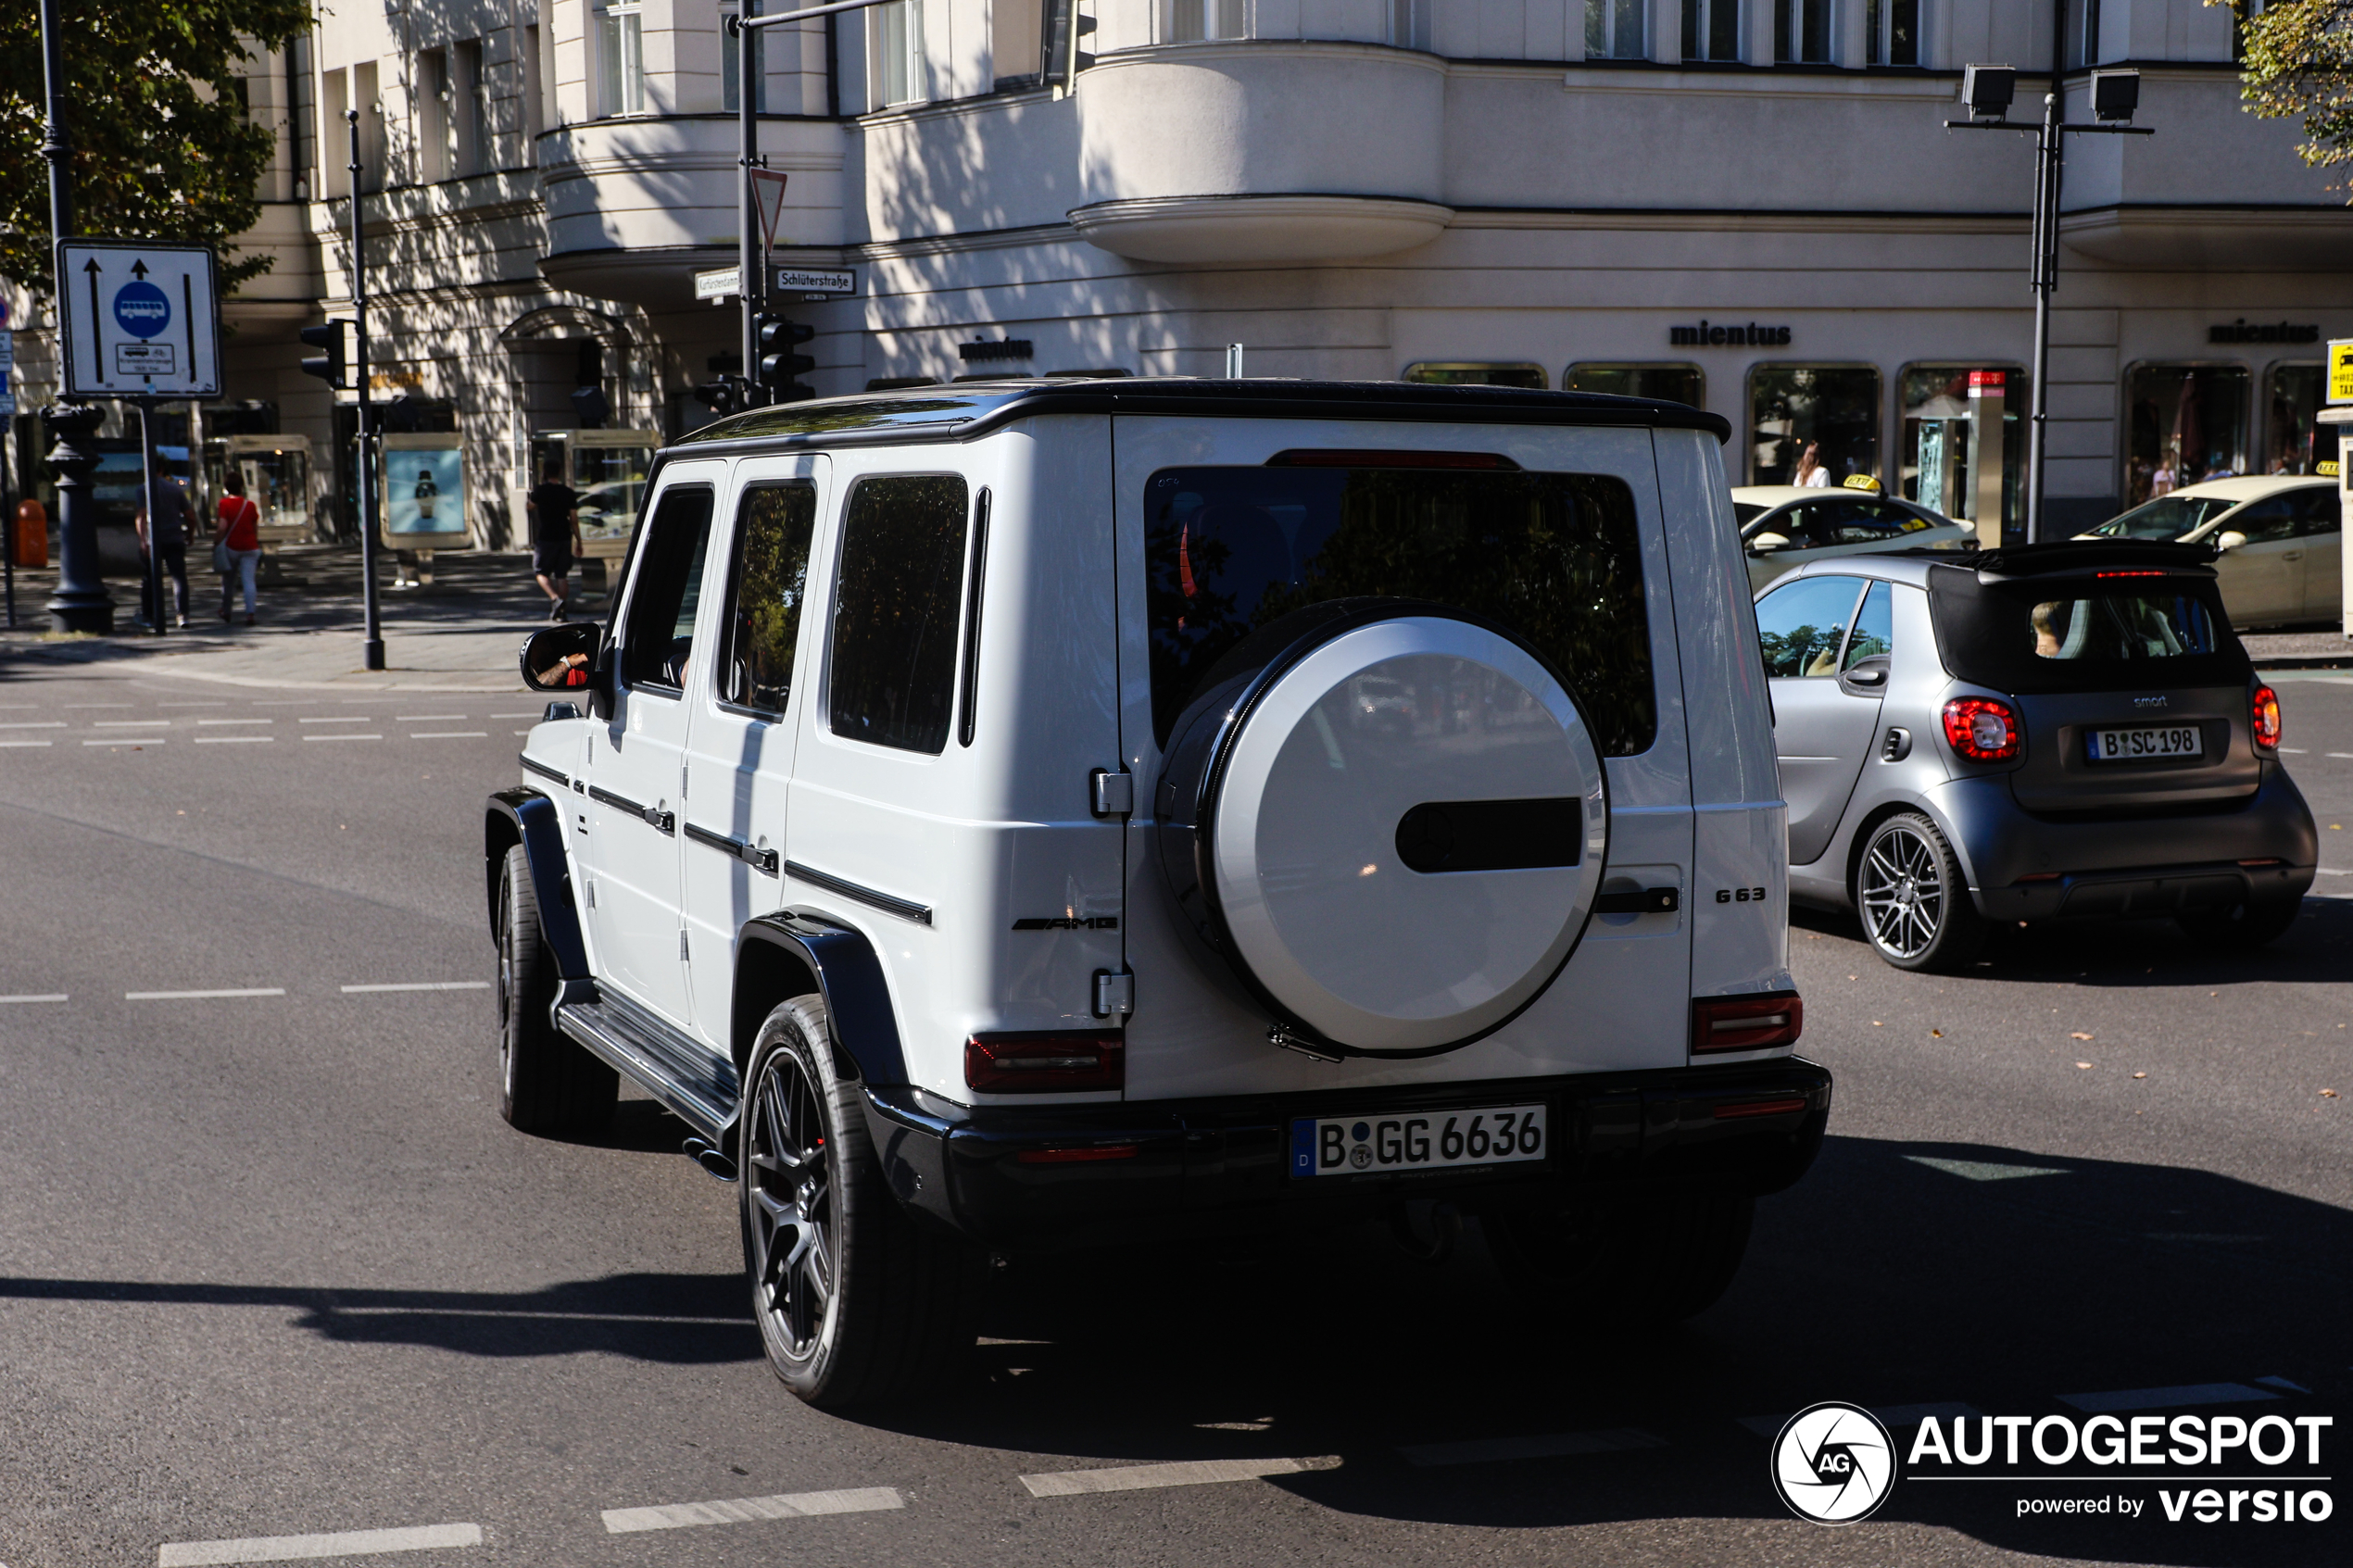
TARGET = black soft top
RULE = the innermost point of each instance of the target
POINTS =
(965, 409)
(1980, 611)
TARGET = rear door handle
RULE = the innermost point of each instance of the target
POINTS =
(1648, 901)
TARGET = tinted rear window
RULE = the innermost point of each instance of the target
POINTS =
(2083, 632)
(898, 589)
(1557, 557)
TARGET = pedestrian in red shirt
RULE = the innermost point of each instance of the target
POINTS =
(238, 534)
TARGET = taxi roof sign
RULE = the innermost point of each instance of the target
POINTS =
(140, 320)
(2341, 370)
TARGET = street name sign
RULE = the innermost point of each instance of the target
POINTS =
(140, 320)
(724, 283)
(806, 281)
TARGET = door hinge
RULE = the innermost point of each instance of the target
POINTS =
(1111, 792)
(1114, 993)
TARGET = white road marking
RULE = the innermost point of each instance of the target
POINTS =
(236, 721)
(2326, 871)
(511, 716)
(78, 707)
(354, 719)
(744, 1510)
(2152, 1398)
(254, 740)
(523, 731)
(1892, 1415)
(16, 743)
(204, 703)
(449, 734)
(424, 718)
(422, 986)
(128, 740)
(1483, 1450)
(279, 702)
(1978, 1171)
(2340, 756)
(48, 997)
(199, 995)
(1184, 1473)
(2293, 751)
(343, 737)
(288, 1548)
(131, 723)
(35, 725)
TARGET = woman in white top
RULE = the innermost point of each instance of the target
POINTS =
(1811, 474)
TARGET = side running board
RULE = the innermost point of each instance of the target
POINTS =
(692, 1083)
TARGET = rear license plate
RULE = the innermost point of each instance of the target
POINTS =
(2140, 743)
(1417, 1140)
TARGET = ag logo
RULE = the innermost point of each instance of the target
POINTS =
(1833, 1463)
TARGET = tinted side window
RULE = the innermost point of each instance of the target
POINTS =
(1557, 557)
(902, 562)
(659, 639)
(2318, 510)
(773, 522)
(1801, 624)
(2264, 521)
(1874, 628)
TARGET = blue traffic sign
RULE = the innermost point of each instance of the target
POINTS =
(141, 309)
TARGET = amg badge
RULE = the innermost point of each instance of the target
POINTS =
(1068, 922)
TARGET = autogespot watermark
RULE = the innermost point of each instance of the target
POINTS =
(1835, 1463)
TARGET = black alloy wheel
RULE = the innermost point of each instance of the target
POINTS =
(1913, 898)
(788, 1206)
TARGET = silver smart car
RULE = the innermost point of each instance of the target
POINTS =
(2057, 732)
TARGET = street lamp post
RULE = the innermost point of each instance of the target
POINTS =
(81, 602)
(1988, 90)
(372, 644)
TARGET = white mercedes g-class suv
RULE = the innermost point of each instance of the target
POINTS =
(1034, 814)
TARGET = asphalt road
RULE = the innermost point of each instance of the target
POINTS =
(275, 1268)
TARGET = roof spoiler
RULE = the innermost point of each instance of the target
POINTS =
(2090, 555)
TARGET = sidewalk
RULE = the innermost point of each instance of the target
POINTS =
(461, 634)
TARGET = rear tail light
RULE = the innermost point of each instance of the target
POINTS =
(1746, 1023)
(1741, 1109)
(1983, 729)
(1045, 1064)
(2267, 718)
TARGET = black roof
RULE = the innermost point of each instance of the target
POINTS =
(2091, 555)
(971, 409)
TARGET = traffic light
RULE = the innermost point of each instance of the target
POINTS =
(327, 367)
(726, 395)
(779, 361)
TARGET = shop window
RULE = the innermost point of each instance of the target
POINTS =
(2294, 441)
(1476, 372)
(1892, 30)
(1712, 29)
(1672, 384)
(1802, 32)
(1831, 410)
(1614, 30)
(2183, 423)
(621, 56)
(1964, 441)
(1196, 21)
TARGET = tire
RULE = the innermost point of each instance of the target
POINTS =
(1632, 1262)
(856, 1300)
(2242, 925)
(547, 1084)
(1913, 898)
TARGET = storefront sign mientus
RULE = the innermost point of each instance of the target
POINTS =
(1721, 335)
(2242, 331)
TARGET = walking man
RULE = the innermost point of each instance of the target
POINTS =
(163, 520)
(555, 535)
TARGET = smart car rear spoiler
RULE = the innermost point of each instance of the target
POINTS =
(2094, 555)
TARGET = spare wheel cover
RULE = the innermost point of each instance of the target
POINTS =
(1406, 830)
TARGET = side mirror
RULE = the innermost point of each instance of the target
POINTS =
(562, 658)
(1765, 542)
(2231, 540)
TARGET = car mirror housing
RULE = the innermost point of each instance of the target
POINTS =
(1764, 541)
(561, 659)
(2230, 541)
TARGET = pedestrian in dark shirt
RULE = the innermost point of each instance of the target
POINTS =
(172, 520)
(555, 535)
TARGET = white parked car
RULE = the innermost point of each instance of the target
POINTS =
(2281, 537)
(1783, 526)
(1037, 814)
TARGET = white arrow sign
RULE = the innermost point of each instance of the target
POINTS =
(140, 320)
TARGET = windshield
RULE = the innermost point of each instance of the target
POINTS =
(2168, 516)
(1747, 512)
(1555, 556)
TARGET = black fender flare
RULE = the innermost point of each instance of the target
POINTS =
(526, 816)
(849, 976)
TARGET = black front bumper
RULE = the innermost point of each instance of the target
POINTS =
(1224, 1165)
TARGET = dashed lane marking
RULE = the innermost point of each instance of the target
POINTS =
(23, 743)
(200, 995)
(1892, 1415)
(2152, 1398)
(2326, 871)
(2340, 756)
(289, 1549)
(745, 1511)
(202, 721)
(92, 707)
(45, 997)
(1556, 1445)
(254, 740)
(449, 734)
(424, 718)
(353, 719)
(512, 715)
(35, 724)
(341, 737)
(128, 740)
(131, 723)
(204, 703)
(1184, 1473)
(421, 985)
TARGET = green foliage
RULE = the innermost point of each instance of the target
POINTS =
(162, 147)
(2298, 64)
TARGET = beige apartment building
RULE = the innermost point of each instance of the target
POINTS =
(1752, 205)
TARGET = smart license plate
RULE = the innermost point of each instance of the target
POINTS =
(1417, 1140)
(2142, 744)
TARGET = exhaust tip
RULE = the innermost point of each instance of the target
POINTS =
(703, 1153)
